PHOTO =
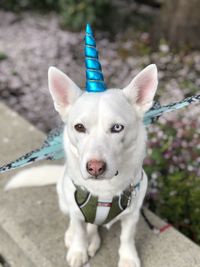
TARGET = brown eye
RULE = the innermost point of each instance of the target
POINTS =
(80, 128)
(116, 128)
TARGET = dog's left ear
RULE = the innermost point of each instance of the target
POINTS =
(63, 91)
(141, 90)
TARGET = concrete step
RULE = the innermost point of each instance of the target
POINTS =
(32, 227)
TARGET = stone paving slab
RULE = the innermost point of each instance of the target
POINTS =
(13, 253)
(32, 227)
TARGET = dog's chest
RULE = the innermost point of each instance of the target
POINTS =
(101, 211)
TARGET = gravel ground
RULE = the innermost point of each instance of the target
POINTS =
(30, 43)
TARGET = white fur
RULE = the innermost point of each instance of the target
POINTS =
(123, 152)
(36, 176)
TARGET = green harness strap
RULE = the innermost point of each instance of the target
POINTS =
(88, 204)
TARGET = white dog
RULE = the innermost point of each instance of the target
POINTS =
(103, 181)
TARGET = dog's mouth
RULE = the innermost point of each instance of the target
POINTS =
(101, 177)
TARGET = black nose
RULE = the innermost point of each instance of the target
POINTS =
(96, 167)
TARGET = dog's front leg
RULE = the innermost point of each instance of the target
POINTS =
(77, 254)
(93, 238)
(128, 256)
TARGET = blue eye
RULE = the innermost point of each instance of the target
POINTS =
(116, 128)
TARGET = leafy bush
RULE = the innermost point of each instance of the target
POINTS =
(74, 13)
(173, 169)
(3, 56)
(18, 5)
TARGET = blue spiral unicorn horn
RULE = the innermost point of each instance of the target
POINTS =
(94, 75)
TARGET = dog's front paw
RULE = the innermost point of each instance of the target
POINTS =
(68, 238)
(125, 262)
(77, 258)
(94, 244)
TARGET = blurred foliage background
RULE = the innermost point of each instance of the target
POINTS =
(178, 21)
(20, 5)
(132, 34)
(73, 13)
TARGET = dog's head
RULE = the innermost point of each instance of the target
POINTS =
(104, 131)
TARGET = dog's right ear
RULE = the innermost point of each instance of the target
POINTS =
(141, 90)
(63, 91)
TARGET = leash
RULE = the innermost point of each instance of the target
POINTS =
(157, 110)
(155, 229)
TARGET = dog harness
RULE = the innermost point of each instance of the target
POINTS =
(101, 211)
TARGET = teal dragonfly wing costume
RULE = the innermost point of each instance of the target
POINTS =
(52, 148)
